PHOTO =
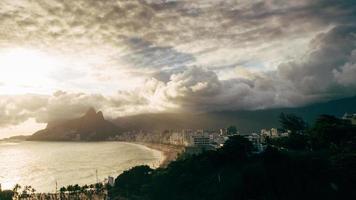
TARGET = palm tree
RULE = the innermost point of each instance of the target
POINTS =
(70, 189)
(76, 189)
(62, 192)
(16, 189)
(98, 188)
(33, 191)
(84, 189)
(27, 192)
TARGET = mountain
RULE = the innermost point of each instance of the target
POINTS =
(16, 138)
(93, 126)
(90, 127)
(246, 121)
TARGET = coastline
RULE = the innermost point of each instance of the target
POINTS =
(169, 152)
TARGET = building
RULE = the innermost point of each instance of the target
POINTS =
(284, 134)
(350, 117)
(274, 132)
(264, 135)
(256, 140)
(201, 140)
(223, 132)
(111, 181)
(177, 139)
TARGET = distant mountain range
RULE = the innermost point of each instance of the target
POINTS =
(246, 121)
(90, 127)
(16, 138)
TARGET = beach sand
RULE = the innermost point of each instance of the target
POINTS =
(170, 152)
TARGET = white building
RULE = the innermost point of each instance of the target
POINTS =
(350, 117)
(264, 135)
(285, 134)
(111, 181)
(274, 132)
(223, 132)
(201, 140)
(177, 138)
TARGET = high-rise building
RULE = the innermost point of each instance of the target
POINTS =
(274, 132)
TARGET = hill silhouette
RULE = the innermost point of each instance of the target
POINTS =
(91, 126)
(246, 121)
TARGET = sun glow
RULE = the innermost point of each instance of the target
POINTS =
(23, 70)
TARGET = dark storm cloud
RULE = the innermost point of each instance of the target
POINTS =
(145, 54)
(327, 72)
(330, 54)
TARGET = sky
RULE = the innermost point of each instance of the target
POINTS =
(127, 57)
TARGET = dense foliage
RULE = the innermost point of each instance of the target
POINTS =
(322, 166)
(6, 195)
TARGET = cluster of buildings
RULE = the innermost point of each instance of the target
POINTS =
(200, 137)
(259, 140)
(212, 139)
(350, 117)
(196, 140)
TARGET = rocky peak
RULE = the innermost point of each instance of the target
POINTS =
(100, 115)
(92, 115)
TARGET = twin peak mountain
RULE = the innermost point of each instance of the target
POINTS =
(90, 127)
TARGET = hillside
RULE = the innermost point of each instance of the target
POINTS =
(91, 126)
(246, 121)
(320, 166)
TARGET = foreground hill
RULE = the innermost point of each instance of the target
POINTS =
(322, 166)
(91, 126)
(246, 121)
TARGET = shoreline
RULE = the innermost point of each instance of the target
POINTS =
(169, 152)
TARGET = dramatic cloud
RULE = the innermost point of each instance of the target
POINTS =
(324, 67)
(59, 57)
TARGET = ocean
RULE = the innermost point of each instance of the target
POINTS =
(43, 164)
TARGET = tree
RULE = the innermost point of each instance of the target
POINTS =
(296, 139)
(62, 189)
(293, 123)
(6, 195)
(27, 192)
(99, 187)
(130, 182)
(70, 189)
(331, 132)
(16, 189)
(237, 146)
(76, 188)
(231, 130)
(84, 189)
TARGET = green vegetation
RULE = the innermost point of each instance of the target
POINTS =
(74, 191)
(293, 123)
(231, 130)
(27, 193)
(312, 163)
(298, 137)
(6, 195)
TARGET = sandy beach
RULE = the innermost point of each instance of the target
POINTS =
(170, 152)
